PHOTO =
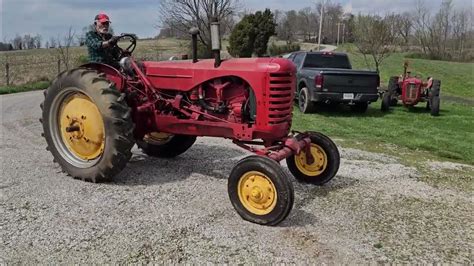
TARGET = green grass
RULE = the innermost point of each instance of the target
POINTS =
(40, 85)
(449, 136)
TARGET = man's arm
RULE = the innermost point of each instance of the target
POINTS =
(95, 42)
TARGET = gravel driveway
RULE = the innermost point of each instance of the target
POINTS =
(178, 210)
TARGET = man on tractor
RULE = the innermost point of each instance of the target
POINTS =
(101, 45)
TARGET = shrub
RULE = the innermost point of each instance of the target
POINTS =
(275, 49)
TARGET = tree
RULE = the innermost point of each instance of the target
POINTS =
(63, 47)
(251, 34)
(373, 36)
(52, 43)
(265, 28)
(38, 41)
(184, 14)
(242, 38)
(17, 43)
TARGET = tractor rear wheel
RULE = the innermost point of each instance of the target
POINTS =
(87, 125)
(260, 190)
(305, 104)
(434, 100)
(393, 89)
(163, 145)
(326, 160)
(387, 96)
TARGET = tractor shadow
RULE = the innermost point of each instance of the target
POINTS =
(417, 109)
(207, 160)
(340, 110)
(217, 162)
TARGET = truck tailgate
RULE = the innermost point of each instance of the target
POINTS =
(350, 81)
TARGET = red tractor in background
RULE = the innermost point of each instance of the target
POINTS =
(411, 91)
(93, 115)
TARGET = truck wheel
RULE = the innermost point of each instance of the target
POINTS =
(87, 125)
(260, 191)
(434, 100)
(326, 161)
(164, 145)
(304, 102)
(387, 96)
(360, 107)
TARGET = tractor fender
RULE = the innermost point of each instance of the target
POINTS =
(111, 74)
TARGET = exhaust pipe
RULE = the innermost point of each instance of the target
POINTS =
(194, 32)
(216, 41)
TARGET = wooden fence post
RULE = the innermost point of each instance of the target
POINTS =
(7, 73)
(59, 66)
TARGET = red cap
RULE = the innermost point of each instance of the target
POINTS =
(102, 17)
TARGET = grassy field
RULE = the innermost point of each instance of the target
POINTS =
(449, 136)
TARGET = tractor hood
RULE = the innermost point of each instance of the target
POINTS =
(184, 74)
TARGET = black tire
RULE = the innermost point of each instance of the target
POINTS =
(332, 164)
(305, 104)
(434, 100)
(281, 183)
(387, 96)
(178, 144)
(114, 125)
(360, 107)
(393, 89)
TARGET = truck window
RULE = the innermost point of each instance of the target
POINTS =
(298, 59)
(327, 61)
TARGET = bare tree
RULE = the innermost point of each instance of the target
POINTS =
(17, 43)
(52, 43)
(461, 21)
(184, 14)
(38, 41)
(64, 46)
(373, 36)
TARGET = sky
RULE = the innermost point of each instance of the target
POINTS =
(52, 18)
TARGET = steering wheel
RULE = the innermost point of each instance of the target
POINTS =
(131, 47)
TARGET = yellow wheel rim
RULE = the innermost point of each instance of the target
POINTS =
(257, 193)
(82, 127)
(319, 164)
(157, 138)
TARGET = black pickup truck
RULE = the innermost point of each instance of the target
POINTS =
(327, 78)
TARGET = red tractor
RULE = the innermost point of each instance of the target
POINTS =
(411, 91)
(93, 115)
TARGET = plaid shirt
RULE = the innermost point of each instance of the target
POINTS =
(97, 53)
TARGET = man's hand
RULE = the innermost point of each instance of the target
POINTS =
(113, 41)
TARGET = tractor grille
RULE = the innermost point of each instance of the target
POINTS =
(412, 91)
(280, 98)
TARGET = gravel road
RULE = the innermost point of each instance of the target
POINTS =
(178, 210)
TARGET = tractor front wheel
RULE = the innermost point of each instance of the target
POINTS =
(324, 165)
(87, 125)
(260, 190)
(163, 145)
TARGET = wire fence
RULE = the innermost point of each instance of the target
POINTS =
(23, 70)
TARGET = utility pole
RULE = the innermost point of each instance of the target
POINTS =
(320, 25)
(343, 32)
(338, 32)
